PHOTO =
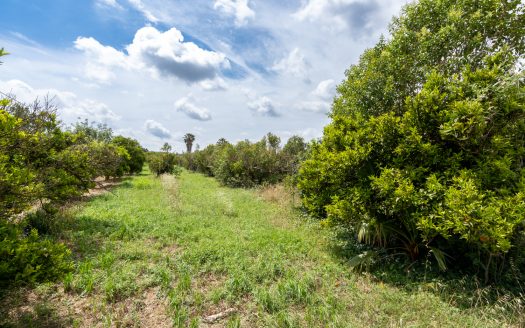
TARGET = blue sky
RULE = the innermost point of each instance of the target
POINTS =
(157, 69)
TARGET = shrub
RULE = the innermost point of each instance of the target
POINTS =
(137, 157)
(425, 149)
(162, 163)
(29, 259)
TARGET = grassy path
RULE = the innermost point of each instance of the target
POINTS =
(169, 252)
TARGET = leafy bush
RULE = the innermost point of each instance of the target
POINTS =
(162, 163)
(29, 259)
(425, 150)
(137, 157)
(37, 160)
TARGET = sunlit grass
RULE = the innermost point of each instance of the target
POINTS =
(187, 248)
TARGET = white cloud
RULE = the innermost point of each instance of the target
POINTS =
(171, 56)
(217, 84)
(361, 17)
(237, 8)
(101, 59)
(314, 106)
(263, 106)
(143, 9)
(323, 10)
(320, 98)
(161, 53)
(186, 106)
(109, 3)
(70, 107)
(316, 9)
(295, 64)
(157, 129)
(325, 89)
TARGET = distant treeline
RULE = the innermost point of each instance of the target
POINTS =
(246, 163)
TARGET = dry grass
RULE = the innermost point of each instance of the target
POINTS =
(280, 194)
(56, 308)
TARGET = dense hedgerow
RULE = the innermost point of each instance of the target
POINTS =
(426, 148)
(247, 164)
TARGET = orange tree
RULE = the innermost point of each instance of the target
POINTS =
(426, 148)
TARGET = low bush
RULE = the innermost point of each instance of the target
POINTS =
(162, 163)
(28, 258)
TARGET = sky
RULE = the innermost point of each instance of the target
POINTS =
(155, 70)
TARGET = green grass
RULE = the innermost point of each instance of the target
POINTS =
(168, 252)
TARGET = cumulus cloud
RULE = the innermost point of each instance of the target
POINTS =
(171, 56)
(295, 64)
(70, 107)
(325, 89)
(101, 59)
(93, 110)
(162, 53)
(186, 106)
(237, 8)
(157, 129)
(263, 106)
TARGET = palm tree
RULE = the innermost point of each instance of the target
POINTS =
(166, 147)
(188, 140)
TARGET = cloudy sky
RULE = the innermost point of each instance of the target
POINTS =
(157, 69)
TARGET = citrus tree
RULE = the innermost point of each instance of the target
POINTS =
(426, 146)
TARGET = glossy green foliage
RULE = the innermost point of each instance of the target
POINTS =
(29, 259)
(41, 165)
(38, 160)
(426, 146)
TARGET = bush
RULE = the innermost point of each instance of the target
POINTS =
(137, 157)
(30, 259)
(162, 163)
(38, 160)
(425, 150)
